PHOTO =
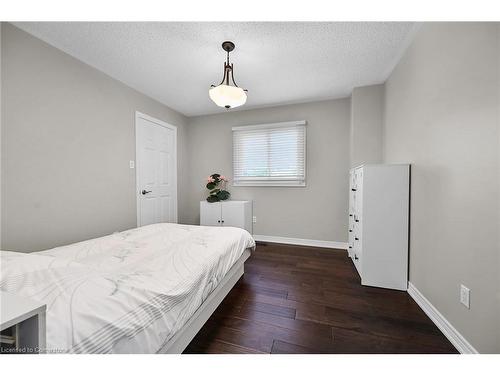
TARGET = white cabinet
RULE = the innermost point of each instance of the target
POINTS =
(378, 224)
(210, 213)
(22, 324)
(227, 213)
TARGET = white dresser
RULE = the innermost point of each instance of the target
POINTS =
(227, 213)
(378, 224)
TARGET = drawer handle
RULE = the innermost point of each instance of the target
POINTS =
(350, 230)
(353, 189)
(356, 238)
(357, 221)
(350, 247)
(356, 257)
(350, 215)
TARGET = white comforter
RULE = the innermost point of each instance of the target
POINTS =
(129, 292)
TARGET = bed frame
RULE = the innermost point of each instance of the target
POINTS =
(183, 337)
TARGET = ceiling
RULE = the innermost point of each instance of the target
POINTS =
(278, 62)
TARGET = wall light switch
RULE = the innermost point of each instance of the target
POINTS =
(132, 164)
(465, 296)
(254, 219)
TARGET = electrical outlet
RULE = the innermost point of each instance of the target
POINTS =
(132, 164)
(465, 296)
(254, 219)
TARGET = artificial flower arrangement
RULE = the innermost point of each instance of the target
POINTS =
(217, 184)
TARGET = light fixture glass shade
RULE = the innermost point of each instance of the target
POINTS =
(228, 96)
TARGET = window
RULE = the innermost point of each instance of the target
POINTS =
(270, 154)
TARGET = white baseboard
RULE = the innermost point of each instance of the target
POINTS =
(301, 241)
(451, 333)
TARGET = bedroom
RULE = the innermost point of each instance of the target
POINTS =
(346, 203)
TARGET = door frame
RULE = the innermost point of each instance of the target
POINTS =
(139, 115)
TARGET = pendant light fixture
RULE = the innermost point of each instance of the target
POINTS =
(226, 95)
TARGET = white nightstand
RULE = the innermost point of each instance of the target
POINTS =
(227, 214)
(26, 317)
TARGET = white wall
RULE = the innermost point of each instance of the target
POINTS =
(68, 136)
(441, 115)
(367, 118)
(317, 211)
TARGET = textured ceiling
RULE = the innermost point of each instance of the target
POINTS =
(278, 62)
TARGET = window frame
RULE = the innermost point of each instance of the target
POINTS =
(264, 181)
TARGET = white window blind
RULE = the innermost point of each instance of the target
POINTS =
(270, 154)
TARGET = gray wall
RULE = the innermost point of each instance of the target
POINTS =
(68, 136)
(498, 199)
(441, 110)
(367, 118)
(317, 211)
(1, 134)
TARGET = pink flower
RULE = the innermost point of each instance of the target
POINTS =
(210, 179)
(223, 178)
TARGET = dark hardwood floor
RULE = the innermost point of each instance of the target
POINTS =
(295, 299)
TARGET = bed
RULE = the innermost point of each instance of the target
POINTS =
(145, 290)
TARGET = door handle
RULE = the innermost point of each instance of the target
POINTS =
(144, 192)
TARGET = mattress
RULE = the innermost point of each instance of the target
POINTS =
(128, 292)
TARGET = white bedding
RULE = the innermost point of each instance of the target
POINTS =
(129, 292)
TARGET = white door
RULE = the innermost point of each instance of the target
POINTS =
(156, 170)
(210, 213)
